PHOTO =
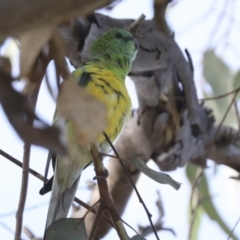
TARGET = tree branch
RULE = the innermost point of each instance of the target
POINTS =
(26, 160)
(52, 13)
(106, 201)
(23, 193)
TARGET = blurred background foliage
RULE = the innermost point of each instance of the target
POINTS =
(222, 80)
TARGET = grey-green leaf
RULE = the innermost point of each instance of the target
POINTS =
(236, 81)
(67, 228)
(210, 209)
(219, 76)
(196, 223)
(156, 176)
(138, 237)
(216, 72)
(207, 204)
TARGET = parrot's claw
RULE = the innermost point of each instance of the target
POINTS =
(103, 175)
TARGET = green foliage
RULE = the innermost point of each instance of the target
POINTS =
(222, 80)
(205, 203)
(216, 72)
(191, 173)
(67, 228)
(236, 81)
(72, 228)
(196, 225)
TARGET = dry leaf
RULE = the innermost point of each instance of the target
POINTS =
(31, 45)
(5, 65)
(57, 52)
(156, 176)
(88, 113)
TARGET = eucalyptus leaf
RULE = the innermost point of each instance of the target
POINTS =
(207, 204)
(216, 72)
(210, 209)
(67, 228)
(156, 176)
(219, 76)
(191, 172)
(138, 237)
(236, 82)
(196, 223)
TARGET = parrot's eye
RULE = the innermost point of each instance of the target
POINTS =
(119, 36)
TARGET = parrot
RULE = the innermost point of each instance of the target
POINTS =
(102, 75)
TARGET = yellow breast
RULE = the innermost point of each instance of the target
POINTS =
(112, 91)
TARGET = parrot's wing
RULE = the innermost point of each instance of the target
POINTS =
(66, 178)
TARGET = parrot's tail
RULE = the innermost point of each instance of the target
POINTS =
(60, 203)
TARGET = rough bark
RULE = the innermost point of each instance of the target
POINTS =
(17, 17)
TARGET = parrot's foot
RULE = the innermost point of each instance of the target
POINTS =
(103, 175)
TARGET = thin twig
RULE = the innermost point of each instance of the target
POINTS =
(113, 156)
(221, 123)
(18, 163)
(30, 234)
(41, 177)
(197, 180)
(25, 173)
(92, 207)
(7, 227)
(222, 95)
(217, 23)
(194, 186)
(144, 231)
(231, 233)
(30, 208)
(194, 209)
(23, 193)
(124, 160)
(129, 226)
(99, 214)
(134, 187)
(105, 198)
(134, 25)
(229, 28)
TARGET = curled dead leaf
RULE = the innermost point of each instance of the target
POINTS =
(154, 175)
(31, 45)
(88, 114)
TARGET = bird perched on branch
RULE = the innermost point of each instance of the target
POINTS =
(103, 75)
